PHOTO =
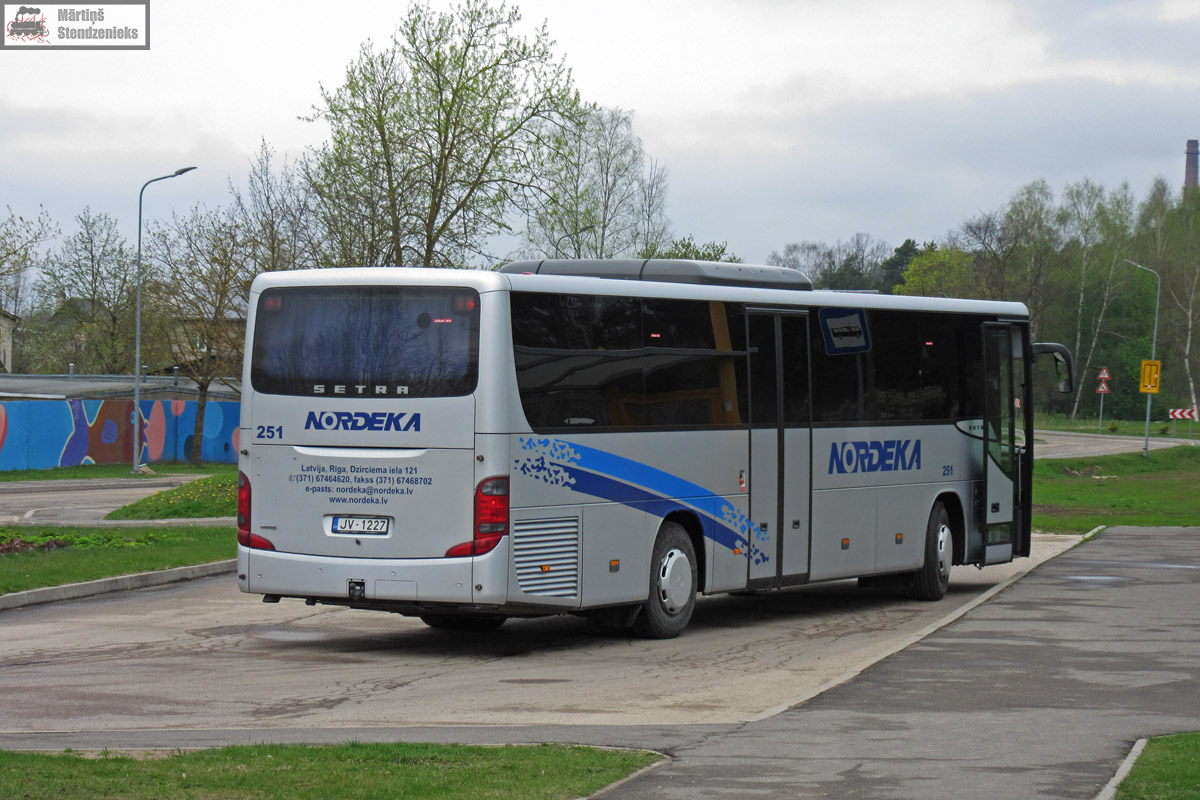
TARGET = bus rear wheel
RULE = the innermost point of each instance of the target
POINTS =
(932, 580)
(668, 609)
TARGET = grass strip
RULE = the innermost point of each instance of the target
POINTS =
(52, 556)
(1168, 769)
(1076, 495)
(86, 471)
(214, 496)
(1116, 427)
(297, 772)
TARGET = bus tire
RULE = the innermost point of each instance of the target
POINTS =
(668, 609)
(931, 580)
(462, 622)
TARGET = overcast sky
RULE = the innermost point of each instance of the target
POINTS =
(778, 120)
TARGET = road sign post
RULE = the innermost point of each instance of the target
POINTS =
(1102, 390)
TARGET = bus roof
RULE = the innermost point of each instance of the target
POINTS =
(519, 279)
(669, 270)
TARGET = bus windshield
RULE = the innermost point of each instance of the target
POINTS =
(368, 341)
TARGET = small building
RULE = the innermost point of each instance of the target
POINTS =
(8, 324)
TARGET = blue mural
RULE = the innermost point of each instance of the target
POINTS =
(39, 434)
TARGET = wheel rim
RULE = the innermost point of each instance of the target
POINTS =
(945, 553)
(675, 581)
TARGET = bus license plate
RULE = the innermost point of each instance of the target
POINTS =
(368, 525)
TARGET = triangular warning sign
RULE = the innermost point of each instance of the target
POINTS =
(1103, 388)
(1104, 376)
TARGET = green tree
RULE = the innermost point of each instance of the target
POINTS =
(940, 272)
(687, 249)
(891, 271)
(1179, 266)
(436, 137)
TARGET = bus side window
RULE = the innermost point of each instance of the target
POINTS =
(837, 381)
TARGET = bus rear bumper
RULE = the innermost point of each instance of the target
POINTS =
(401, 581)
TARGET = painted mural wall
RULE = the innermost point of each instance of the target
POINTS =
(38, 434)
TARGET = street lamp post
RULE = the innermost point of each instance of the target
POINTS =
(1153, 347)
(137, 327)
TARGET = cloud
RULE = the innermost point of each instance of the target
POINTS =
(906, 169)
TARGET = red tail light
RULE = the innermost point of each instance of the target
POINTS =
(491, 519)
(243, 505)
(245, 537)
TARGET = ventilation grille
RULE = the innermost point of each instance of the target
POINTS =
(546, 552)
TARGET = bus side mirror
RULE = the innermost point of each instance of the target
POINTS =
(1064, 365)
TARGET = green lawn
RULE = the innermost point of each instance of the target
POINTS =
(214, 496)
(1168, 769)
(1159, 427)
(359, 771)
(33, 557)
(1076, 495)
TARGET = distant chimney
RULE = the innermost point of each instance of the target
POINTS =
(1193, 162)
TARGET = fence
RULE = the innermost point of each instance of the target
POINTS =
(37, 434)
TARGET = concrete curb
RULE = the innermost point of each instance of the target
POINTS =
(140, 580)
(1110, 790)
(188, 522)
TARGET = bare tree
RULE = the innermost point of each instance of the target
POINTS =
(88, 284)
(1100, 229)
(19, 240)
(206, 260)
(1183, 277)
(599, 199)
(814, 259)
(854, 264)
(276, 215)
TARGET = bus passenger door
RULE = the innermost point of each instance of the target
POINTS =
(1000, 484)
(780, 443)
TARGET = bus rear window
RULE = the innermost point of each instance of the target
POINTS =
(368, 341)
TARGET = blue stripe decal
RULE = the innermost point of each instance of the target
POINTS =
(621, 480)
(653, 479)
(607, 488)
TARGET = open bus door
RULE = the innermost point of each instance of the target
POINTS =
(1002, 462)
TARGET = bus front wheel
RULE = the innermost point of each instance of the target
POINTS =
(668, 609)
(931, 580)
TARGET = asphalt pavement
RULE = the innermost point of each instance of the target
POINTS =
(1039, 692)
(84, 501)
(1062, 444)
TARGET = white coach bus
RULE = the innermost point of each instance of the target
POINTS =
(610, 438)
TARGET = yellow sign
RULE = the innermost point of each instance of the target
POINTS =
(1150, 373)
